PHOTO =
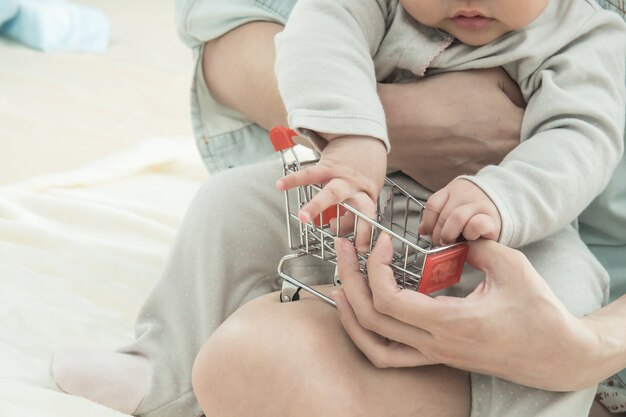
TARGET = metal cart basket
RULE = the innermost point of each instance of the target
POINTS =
(417, 264)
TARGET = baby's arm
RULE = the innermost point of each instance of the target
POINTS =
(351, 168)
(572, 136)
(325, 70)
(327, 81)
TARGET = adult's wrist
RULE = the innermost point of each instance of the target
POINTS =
(595, 349)
(606, 346)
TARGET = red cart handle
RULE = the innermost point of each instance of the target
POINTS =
(281, 138)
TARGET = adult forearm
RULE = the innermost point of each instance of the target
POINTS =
(607, 353)
(239, 72)
(451, 124)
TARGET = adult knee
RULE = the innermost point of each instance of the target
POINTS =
(274, 359)
(219, 371)
(234, 372)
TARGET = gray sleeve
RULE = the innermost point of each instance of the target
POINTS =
(325, 70)
(572, 136)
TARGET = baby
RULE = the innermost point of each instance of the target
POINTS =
(568, 58)
(565, 55)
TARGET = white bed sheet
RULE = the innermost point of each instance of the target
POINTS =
(90, 200)
(79, 252)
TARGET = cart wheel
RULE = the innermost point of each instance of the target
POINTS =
(336, 279)
(285, 298)
(289, 292)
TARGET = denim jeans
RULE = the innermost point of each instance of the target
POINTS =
(225, 138)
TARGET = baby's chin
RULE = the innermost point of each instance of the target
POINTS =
(476, 37)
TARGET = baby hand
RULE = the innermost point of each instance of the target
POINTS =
(352, 169)
(460, 208)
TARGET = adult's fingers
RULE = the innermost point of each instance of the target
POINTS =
(349, 269)
(408, 306)
(381, 351)
(360, 298)
(494, 259)
(363, 231)
(379, 260)
(497, 261)
(350, 273)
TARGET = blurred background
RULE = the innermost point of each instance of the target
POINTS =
(97, 168)
(60, 110)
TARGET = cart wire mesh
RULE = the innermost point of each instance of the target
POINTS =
(397, 213)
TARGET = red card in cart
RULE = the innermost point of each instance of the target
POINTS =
(324, 218)
(443, 269)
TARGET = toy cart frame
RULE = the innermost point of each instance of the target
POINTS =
(416, 264)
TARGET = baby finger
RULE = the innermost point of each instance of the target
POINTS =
(455, 223)
(315, 174)
(481, 225)
(336, 191)
(430, 214)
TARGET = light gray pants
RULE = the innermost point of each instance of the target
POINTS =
(226, 254)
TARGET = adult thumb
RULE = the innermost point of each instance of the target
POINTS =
(494, 259)
(347, 261)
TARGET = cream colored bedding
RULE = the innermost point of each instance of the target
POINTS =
(97, 167)
(79, 251)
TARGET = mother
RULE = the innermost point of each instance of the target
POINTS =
(296, 359)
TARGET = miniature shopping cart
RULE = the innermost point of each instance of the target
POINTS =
(417, 264)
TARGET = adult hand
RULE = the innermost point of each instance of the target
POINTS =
(451, 124)
(511, 326)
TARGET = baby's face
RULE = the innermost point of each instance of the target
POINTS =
(475, 22)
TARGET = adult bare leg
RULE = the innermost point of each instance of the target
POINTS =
(294, 359)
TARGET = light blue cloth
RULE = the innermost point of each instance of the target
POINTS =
(58, 26)
(8, 9)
